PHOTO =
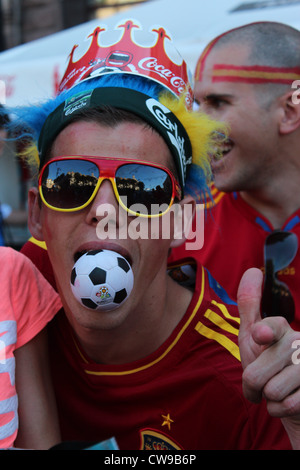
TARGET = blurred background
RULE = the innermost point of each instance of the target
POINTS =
(26, 20)
(36, 37)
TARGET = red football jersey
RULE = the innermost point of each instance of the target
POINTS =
(234, 236)
(186, 395)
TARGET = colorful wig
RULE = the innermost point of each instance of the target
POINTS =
(28, 121)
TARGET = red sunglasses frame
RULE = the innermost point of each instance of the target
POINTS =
(108, 172)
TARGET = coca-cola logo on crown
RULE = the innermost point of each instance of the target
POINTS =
(151, 63)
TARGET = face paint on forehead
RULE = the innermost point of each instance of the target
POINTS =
(254, 74)
(202, 59)
(245, 73)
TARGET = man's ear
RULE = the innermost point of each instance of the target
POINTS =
(290, 112)
(183, 218)
(34, 214)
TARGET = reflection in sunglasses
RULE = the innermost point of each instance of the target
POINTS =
(279, 251)
(71, 183)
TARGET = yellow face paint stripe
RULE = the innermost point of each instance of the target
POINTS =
(254, 74)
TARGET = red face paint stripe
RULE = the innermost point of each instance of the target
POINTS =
(201, 61)
(250, 80)
(258, 68)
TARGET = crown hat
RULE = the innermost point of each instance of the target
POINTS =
(129, 56)
(126, 50)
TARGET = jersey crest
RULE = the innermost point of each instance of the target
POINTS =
(154, 440)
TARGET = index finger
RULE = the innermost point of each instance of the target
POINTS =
(275, 337)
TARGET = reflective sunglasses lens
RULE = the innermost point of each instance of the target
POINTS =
(277, 300)
(144, 189)
(67, 184)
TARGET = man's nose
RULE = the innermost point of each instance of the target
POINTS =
(105, 205)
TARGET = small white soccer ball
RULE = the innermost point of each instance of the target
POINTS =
(101, 280)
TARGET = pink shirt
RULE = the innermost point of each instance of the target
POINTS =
(27, 304)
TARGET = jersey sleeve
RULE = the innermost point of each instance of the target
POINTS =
(37, 252)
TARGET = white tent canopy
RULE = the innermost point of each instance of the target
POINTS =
(32, 71)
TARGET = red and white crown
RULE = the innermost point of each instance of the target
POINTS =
(126, 55)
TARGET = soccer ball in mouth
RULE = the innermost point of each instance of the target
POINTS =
(101, 280)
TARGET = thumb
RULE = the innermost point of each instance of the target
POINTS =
(249, 297)
(248, 300)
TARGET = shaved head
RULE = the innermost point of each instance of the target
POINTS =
(272, 61)
(271, 44)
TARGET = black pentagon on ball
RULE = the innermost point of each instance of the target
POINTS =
(73, 276)
(97, 276)
(93, 252)
(120, 296)
(89, 303)
(122, 263)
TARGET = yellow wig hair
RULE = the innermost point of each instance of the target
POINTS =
(204, 133)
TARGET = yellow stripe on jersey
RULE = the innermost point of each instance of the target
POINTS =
(221, 339)
(79, 351)
(220, 322)
(216, 197)
(225, 312)
(39, 243)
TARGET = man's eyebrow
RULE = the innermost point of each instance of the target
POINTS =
(213, 96)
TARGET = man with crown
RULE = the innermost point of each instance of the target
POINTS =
(163, 370)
